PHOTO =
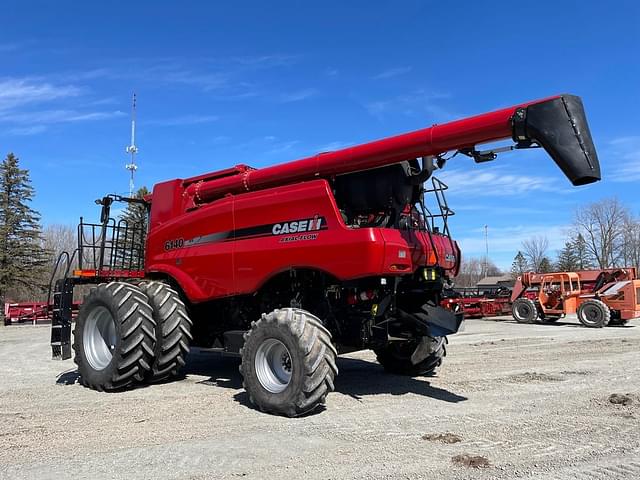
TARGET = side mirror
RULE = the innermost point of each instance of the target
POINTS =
(106, 208)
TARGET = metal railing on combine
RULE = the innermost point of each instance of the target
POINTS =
(111, 245)
(438, 188)
(437, 221)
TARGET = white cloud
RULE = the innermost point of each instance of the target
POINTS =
(15, 92)
(21, 101)
(502, 210)
(392, 72)
(192, 119)
(298, 95)
(493, 182)
(282, 147)
(331, 146)
(56, 116)
(419, 102)
(9, 47)
(622, 156)
(266, 61)
(25, 131)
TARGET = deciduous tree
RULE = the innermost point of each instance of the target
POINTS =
(535, 251)
(602, 226)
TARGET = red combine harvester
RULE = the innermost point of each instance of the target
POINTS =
(289, 265)
(599, 297)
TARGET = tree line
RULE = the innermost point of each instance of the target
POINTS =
(603, 234)
(28, 252)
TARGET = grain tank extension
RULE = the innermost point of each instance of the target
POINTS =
(290, 265)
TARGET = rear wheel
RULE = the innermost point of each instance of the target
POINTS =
(114, 337)
(396, 357)
(172, 330)
(594, 313)
(288, 362)
(524, 310)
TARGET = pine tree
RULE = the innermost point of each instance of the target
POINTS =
(519, 265)
(23, 259)
(568, 260)
(545, 265)
(131, 244)
(584, 259)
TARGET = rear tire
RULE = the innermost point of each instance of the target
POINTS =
(114, 337)
(396, 357)
(172, 331)
(594, 314)
(288, 362)
(524, 310)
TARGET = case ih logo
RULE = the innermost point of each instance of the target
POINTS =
(299, 226)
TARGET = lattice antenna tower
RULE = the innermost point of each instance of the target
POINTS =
(132, 149)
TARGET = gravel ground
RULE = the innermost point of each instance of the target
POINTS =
(511, 401)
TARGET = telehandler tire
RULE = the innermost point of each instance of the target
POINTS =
(114, 337)
(396, 357)
(524, 310)
(594, 313)
(288, 362)
(172, 331)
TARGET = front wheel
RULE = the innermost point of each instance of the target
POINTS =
(395, 357)
(524, 310)
(114, 337)
(288, 362)
(594, 313)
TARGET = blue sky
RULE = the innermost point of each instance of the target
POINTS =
(221, 83)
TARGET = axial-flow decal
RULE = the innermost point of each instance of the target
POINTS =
(308, 226)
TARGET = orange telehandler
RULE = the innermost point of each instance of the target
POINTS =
(598, 297)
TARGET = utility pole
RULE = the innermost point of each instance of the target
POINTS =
(486, 253)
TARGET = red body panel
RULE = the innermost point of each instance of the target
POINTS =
(208, 265)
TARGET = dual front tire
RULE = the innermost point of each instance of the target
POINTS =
(128, 334)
